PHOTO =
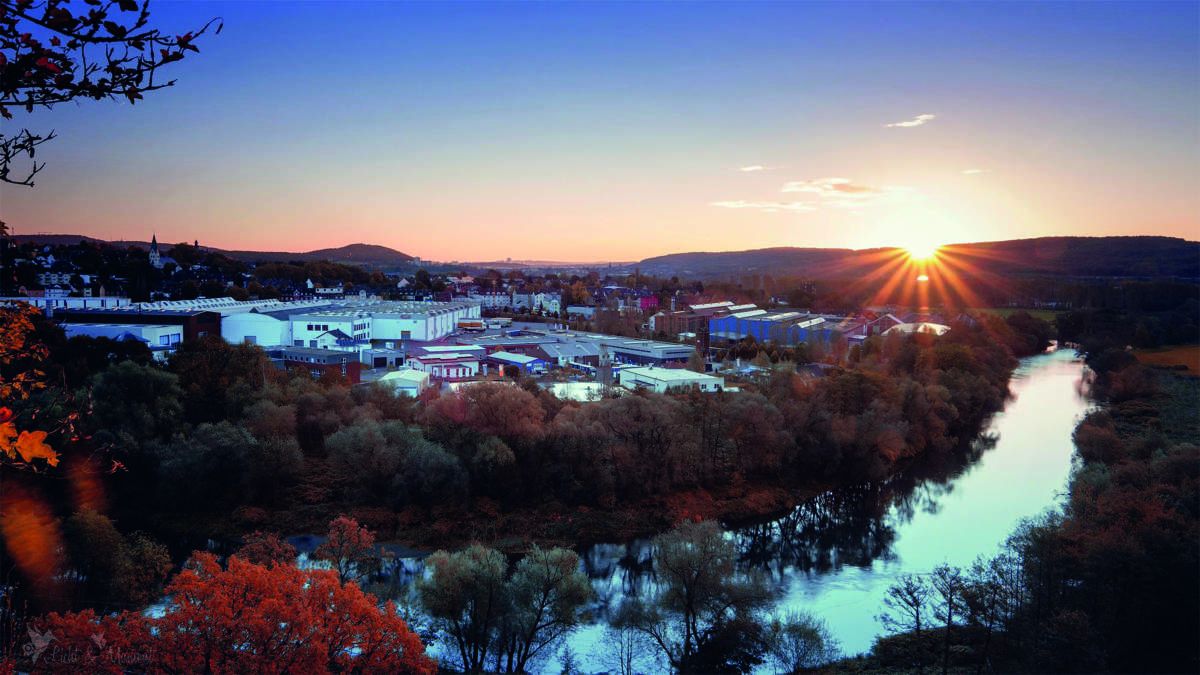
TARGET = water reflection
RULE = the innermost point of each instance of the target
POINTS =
(836, 554)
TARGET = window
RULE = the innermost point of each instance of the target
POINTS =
(164, 339)
(312, 344)
(298, 343)
(251, 339)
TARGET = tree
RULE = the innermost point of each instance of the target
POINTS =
(799, 642)
(700, 602)
(51, 54)
(247, 618)
(137, 402)
(266, 548)
(465, 596)
(112, 569)
(350, 548)
(218, 379)
(696, 362)
(947, 585)
(546, 593)
(23, 358)
(905, 604)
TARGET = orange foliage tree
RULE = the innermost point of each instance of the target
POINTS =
(243, 618)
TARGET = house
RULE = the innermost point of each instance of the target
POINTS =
(549, 303)
(663, 380)
(527, 364)
(451, 366)
(492, 299)
(406, 381)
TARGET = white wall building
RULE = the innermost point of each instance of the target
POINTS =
(406, 381)
(663, 380)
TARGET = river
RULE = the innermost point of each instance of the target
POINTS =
(836, 555)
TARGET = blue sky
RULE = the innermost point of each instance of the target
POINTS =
(586, 131)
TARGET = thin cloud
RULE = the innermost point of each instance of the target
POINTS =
(769, 207)
(917, 121)
(830, 187)
(973, 172)
(754, 167)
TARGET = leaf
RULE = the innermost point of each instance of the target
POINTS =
(8, 433)
(128, 5)
(32, 445)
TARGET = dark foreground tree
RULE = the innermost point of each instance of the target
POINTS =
(702, 615)
(55, 51)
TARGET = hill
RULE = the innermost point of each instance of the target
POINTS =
(369, 255)
(1043, 256)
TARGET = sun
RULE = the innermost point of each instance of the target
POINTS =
(922, 252)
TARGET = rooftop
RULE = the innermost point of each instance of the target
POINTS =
(669, 374)
(513, 358)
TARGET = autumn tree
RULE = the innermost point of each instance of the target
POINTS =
(350, 549)
(246, 618)
(23, 360)
(52, 53)
(266, 548)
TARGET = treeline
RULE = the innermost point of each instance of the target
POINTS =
(220, 431)
(1108, 583)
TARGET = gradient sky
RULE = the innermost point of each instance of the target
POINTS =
(614, 131)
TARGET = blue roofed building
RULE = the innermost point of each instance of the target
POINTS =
(782, 328)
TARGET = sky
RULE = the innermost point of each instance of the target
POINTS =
(618, 131)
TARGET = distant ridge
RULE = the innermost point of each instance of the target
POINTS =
(371, 255)
(1137, 256)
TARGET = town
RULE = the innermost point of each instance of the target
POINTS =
(582, 337)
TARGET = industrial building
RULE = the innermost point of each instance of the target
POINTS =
(783, 328)
(405, 381)
(317, 362)
(663, 380)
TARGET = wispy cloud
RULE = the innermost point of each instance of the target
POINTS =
(914, 122)
(754, 167)
(769, 207)
(823, 193)
(974, 172)
(830, 187)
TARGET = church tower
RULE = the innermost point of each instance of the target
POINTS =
(155, 256)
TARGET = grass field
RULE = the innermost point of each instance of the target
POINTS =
(1187, 355)
(1044, 314)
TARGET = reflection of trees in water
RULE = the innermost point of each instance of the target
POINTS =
(853, 525)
